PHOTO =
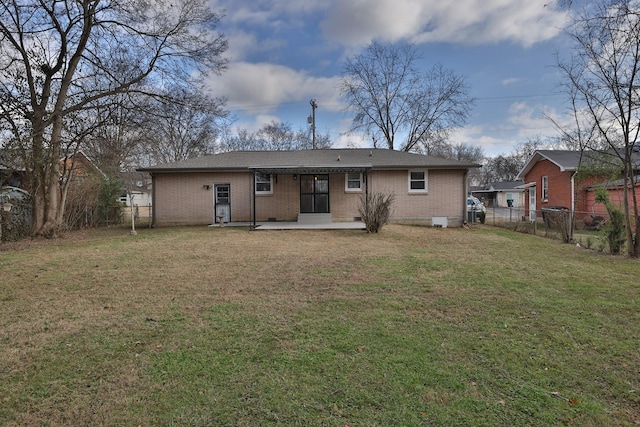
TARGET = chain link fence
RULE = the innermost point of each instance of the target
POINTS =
(554, 222)
(16, 223)
(142, 214)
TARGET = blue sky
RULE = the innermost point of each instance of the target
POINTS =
(283, 53)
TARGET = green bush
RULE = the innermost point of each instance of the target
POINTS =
(615, 228)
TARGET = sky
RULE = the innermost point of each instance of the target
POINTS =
(283, 53)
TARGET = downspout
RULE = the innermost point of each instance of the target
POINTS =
(153, 200)
(464, 196)
(253, 192)
(573, 204)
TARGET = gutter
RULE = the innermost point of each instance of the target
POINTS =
(464, 196)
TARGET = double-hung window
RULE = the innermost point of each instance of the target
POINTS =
(545, 188)
(264, 183)
(418, 181)
(353, 182)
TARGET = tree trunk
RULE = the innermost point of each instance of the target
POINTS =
(52, 225)
(629, 186)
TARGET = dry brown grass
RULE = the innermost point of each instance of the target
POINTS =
(102, 304)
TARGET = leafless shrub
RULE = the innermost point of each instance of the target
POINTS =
(375, 210)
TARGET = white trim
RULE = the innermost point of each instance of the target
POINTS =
(527, 185)
(270, 191)
(352, 189)
(425, 180)
(544, 188)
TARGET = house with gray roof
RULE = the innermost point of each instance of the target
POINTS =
(292, 186)
(501, 194)
(551, 180)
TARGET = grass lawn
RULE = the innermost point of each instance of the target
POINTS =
(413, 326)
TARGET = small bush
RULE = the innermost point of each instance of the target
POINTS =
(375, 210)
(615, 228)
(589, 242)
(482, 216)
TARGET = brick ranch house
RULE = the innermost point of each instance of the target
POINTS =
(252, 186)
(550, 180)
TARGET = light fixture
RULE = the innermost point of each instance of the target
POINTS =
(206, 187)
(295, 176)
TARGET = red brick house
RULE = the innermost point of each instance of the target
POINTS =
(550, 180)
(293, 186)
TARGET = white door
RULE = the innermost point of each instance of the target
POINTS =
(223, 202)
(532, 203)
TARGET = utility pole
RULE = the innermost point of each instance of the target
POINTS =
(312, 121)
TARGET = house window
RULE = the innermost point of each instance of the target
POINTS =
(264, 183)
(545, 188)
(353, 182)
(510, 199)
(417, 181)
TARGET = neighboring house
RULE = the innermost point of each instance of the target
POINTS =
(615, 189)
(550, 181)
(293, 185)
(78, 167)
(502, 194)
(137, 187)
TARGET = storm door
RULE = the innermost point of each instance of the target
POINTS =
(223, 202)
(314, 194)
(532, 203)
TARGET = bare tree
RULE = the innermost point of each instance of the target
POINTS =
(184, 125)
(65, 57)
(118, 140)
(603, 83)
(274, 136)
(392, 97)
(506, 167)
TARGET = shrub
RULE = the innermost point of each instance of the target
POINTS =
(615, 228)
(375, 210)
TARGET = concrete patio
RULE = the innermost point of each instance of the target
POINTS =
(276, 225)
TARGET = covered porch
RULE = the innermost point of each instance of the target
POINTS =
(315, 194)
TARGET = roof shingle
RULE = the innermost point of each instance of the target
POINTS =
(326, 158)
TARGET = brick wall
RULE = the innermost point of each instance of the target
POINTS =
(181, 199)
(560, 187)
(559, 184)
(445, 196)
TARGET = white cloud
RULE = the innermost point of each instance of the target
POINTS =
(261, 88)
(512, 81)
(243, 44)
(529, 119)
(523, 122)
(357, 22)
(271, 13)
(464, 21)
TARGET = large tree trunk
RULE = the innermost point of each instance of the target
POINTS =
(52, 226)
(630, 207)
